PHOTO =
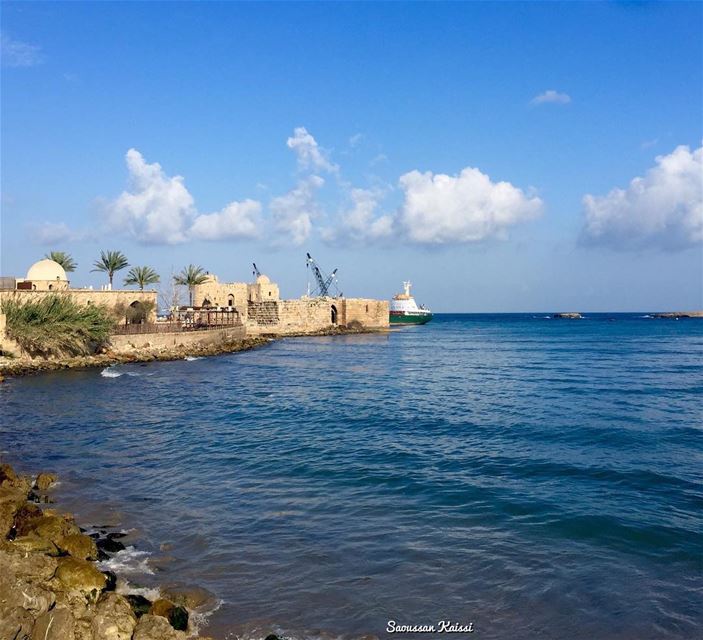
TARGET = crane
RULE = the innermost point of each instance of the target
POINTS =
(323, 283)
(257, 273)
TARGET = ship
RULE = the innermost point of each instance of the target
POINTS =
(404, 309)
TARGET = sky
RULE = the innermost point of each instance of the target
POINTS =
(501, 156)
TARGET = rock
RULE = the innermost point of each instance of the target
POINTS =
(15, 591)
(155, 628)
(56, 624)
(176, 615)
(16, 624)
(272, 636)
(189, 597)
(33, 568)
(44, 481)
(7, 475)
(111, 580)
(79, 545)
(35, 544)
(568, 316)
(79, 575)
(140, 605)
(26, 512)
(114, 619)
(109, 545)
(52, 528)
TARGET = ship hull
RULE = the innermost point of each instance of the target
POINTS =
(401, 317)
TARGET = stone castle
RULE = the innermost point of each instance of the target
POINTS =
(240, 309)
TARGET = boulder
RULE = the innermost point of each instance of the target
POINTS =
(140, 605)
(44, 481)
(176, 615)
(31, 567)
(73, 574)
(16, 624)
(155, 628)
(56, 624)
(26, 512)
(52, 528)
(35, 544)
(79, 545)
(114, 619)
(188, 596)
(9, 479)
(17, 592)
(111, 580)
(110, 545)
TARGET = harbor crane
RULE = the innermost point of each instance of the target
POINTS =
(256, 272)
(323, 283)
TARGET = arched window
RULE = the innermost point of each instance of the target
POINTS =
(230, 300)
(51, 286)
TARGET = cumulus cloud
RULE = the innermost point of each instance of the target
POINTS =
(662, 209)
(310, 155)
(362, 222)
(442, 209)
(236, 220)
(19, 54)
(156, 208)
(293, 212)
(159, 209)
(551, 96)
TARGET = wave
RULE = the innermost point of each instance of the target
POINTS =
(110, 373)
(129, 561)
(192, 358)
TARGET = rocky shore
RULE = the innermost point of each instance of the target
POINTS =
(22, 366)
(51, 585)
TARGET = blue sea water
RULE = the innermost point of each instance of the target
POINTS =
(539, 478)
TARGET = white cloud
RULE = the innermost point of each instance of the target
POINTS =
(355, 140)
(236, 220)
(156, 209)
(293, 212)
(19, 54)
(664, 209)
(310, 155)
(551, 96)
(51, 233)
(443, 209)
(361, 223)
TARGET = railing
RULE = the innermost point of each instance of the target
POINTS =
(169, 327)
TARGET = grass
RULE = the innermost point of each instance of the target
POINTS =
(55, 325)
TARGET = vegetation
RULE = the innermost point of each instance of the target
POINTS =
(190, 277)
(142, 276)
(64, 259)
(110, 262)
(56, 325)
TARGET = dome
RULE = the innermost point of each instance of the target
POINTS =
(262, 279)
(46, 270)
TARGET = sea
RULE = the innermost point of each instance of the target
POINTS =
(516, 475)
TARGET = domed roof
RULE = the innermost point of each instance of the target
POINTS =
(262, 279)
(46, 270)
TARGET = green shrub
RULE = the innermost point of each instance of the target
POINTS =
(56, 325)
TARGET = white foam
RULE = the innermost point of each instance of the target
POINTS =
(110, 373)
(192, 358)
(128, 561)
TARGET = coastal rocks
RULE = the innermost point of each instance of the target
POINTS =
(175, 614)
(44, 481)
(56, 624)
(80, 575)
(114, 619)
(110, 545)
(16, 624)
(568, 316)
(152, 627)
(51, 527)
(140, 605)
(79, 546)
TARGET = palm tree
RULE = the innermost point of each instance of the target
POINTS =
(110, 262)
(190, 277)
(142, 276)
(64, 259)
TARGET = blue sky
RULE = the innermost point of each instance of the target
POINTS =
(473, 148)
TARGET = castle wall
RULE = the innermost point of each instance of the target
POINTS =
(168, 340)
(221, 294)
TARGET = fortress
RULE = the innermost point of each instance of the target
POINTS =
(231, 310)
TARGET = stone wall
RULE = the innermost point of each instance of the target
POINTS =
(169, 340)
(221, 294)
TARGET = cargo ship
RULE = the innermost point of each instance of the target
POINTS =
(404, 309)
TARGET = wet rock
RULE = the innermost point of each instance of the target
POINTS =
(272, 636)
(108, 545)
(25, 513)
(44, 481)
(176, 615)
(116, 534)
(189, 597)
(140, 605)
(110, 580)
(155, 628)
(114, 619)
(56, 624)
(8, 477)
(102, 556)
(79, 575)
(79, 546)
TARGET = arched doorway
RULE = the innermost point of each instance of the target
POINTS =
(333, 310)
(230, 300)
(206, 303)
(136, 314)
